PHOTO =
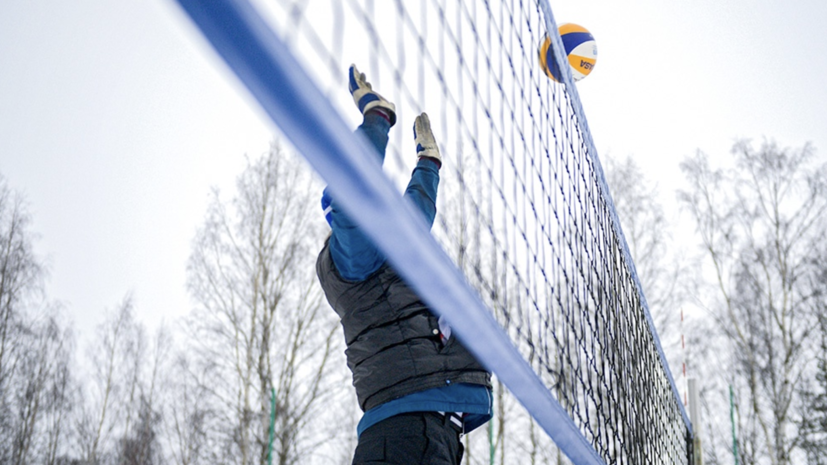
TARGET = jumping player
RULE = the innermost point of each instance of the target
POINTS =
(419, 387)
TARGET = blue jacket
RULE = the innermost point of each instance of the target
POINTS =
(350, 265)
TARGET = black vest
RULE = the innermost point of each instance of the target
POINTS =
(393, 344)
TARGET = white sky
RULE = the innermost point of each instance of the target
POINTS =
(115, 119)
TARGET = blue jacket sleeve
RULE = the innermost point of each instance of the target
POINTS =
(422, 188)
(352, 252)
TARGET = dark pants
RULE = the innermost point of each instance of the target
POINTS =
(409, 439)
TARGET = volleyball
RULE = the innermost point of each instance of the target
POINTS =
(581, 51)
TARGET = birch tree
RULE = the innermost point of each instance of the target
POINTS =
(813, 427)
(759, 224)
(115, 357)
(140, 440)
(647, 231)
(190, 417)
(21, 278)
(35, 345)
(261, 322)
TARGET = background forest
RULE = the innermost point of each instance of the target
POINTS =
(261, 344)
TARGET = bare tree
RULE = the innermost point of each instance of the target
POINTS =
(34, 345)
(140, 442)
(758, 224)
(21, 277)
(21, 274)
(260, 320)
(116, 357)
(813, 428)
(189, 413)
(37, 387)
(647, 232)
(60, 400)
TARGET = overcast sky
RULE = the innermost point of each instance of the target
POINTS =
(116, 120)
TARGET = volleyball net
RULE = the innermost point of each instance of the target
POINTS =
(526, 260)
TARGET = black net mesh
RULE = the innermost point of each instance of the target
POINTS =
(523, 206)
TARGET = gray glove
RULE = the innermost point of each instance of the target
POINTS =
(424, 139)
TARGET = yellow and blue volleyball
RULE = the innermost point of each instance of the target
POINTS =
(581, 50)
